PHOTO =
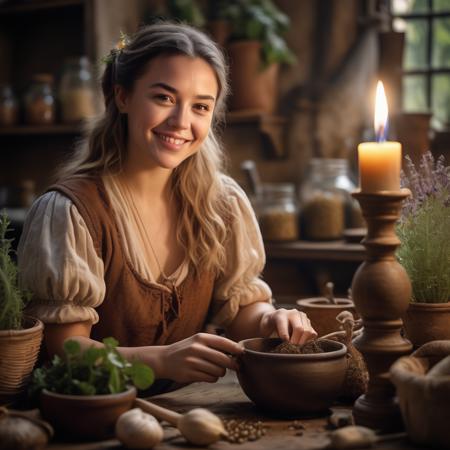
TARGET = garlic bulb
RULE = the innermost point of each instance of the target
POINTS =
(201, 427)
(18, 432)
(137, 429)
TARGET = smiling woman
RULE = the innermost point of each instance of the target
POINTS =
(169, 111)
(144, 238)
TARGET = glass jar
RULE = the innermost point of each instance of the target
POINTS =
(327, 207)
(9, 108)
(39, 101)
(77, 91)
(278, 212)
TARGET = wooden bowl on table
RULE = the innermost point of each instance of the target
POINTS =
(291, 385)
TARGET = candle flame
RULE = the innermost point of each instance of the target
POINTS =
(381, 113)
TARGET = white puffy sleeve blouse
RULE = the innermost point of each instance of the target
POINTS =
(59, 265)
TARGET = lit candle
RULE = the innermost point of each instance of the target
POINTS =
(380, 162)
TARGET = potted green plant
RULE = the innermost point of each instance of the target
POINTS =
(188, 11)
(85, 392)
(20, 335)
(256, 48)
(423, 230)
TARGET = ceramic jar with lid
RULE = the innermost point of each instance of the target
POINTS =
(39, 101)
(77, 91)
(278, 212)
(9, 108)
(327, 207)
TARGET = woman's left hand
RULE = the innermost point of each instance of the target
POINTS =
(290, 325)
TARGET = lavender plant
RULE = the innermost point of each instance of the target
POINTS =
(424, 229)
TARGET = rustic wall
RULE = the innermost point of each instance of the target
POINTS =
(334, 56)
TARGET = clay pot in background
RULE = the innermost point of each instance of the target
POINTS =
(322, 313)
(219, 30)
(253, 87)
(426, 322)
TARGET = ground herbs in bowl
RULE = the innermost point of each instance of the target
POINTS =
(311, 347)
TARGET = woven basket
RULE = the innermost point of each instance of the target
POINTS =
(424, 401)
(18, 354)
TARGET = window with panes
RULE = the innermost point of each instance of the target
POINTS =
(426, 60)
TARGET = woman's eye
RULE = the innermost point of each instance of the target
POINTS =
(202, 107)
(164, 98)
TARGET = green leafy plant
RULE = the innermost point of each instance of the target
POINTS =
(259, 20)
(95, 371)
(12, 298)
(424, 229)
(187, 11)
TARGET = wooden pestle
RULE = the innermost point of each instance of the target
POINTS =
(158, 411)
(329, 294)
(199, 426)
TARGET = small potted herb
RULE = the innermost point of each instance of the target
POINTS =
(84, 393)
(20, 336)
(424, 252)
(256, 48)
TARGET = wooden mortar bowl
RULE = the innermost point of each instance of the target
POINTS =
(291, 385)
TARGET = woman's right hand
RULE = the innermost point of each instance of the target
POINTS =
(202, 357)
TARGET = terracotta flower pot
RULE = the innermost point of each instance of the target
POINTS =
(19, 350)
(322, 313)
(426, 322)
(252, 86)
(219, 30)
(85, 417)
(291, 385)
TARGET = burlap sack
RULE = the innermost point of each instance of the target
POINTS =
(424, 400)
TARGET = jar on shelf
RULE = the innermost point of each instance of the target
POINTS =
(278, 212)
(77, 91)
(9, 108)
(39, 101)
(327, 207)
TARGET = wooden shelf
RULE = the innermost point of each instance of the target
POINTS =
(31, 6)
(270, 126)
(316, 251)
(253, 116)
(27, 130)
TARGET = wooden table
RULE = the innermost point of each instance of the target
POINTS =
(226, 399)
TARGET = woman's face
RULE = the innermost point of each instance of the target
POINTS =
(169, 110)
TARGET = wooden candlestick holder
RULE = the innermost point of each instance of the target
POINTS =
(381, 291)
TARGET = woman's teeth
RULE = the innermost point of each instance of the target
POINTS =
(172, 140)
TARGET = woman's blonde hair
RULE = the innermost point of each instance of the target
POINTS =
(197, 181)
